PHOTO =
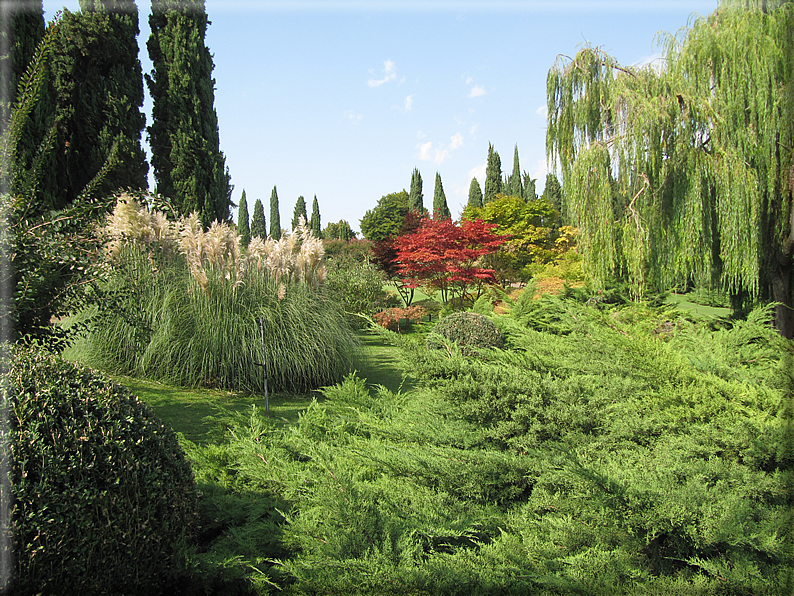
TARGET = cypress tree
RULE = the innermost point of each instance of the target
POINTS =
(242, 221)
(275, 218)
(514, 188)
(440, 208)
(475, 194)
(300, 210)
(415, 196)
(315, 222)
(258, 222)
(21, 28)
(493, 176)
(97, 89)
(530, 194)
(553, 191)
(189, 166)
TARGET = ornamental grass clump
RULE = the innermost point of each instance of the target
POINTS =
(186, 305)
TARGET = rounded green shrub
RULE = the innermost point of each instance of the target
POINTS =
(103, 497)
(468, 330)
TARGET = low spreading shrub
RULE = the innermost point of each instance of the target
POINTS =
(103, 498)
(468, 330)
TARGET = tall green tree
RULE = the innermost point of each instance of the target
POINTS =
(258, 221)
(493, 176)
(440, 208)
(530, 194)
(415, 196)
(553, 191)
(340, 230)
(475, 194)
(97, 95)
(275, 217)
(315, 221)
(685, 173)
(386, 218)
(242, 221)
(514, 187)
(21, 30)
(189, 166)
(299, 211)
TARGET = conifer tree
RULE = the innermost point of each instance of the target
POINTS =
(514, 187)
(315, 221)
(440, 208)
(493, 176)
(530, 193)
(258, 222)
(189, 166)
(22, 28)
(475, 194)
(242, 221)
(300, 210)
(553, 191)
(275, 217)
(97, 92)
(415, 196)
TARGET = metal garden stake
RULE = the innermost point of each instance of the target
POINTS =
(264, 363)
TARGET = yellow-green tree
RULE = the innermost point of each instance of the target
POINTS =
(682, 172)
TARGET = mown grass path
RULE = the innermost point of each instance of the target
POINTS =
(201, 414)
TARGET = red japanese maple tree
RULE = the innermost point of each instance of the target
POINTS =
(443, 255)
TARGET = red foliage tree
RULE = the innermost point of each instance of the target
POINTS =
(443, 255)
(384, 255)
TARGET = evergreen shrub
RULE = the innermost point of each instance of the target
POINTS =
(103, 497)
(468, 330)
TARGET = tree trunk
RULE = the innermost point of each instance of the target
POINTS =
(781, 293)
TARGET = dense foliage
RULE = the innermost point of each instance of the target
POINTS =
(386, 218)
(683, 174)
(467, 331)
(627, 451)
(103, 498)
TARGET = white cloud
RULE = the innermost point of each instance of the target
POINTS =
(390, 74)
(420, 134)
(456, 141)
(352, 115)
(473, 130)
(479, 173)
(539, 173)
(409, 102)
(542, 111)
(426, 153)
(424, 150)
(469, 80)
(477, 91)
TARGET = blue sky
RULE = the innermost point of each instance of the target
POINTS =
(343, 99)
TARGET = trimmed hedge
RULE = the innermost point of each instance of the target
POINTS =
(104, 498)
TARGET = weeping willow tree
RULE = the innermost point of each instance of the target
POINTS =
(682, 171)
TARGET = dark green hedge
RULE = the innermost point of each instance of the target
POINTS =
(468, 330)
(103, 495)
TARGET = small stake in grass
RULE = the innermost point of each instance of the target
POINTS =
(264, 363)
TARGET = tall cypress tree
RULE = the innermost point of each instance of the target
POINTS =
(275, 218)
(300, 210)
(315, 221)
(21, 30)
(415, 197)
(530, 194)
(97, 91)
(475, 194)
(189, 166)
(514, 188)
(258, 222)
(493, 176)
(242, 221)
(440, 207)
(553, 191)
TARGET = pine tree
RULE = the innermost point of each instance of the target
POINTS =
(440, 208)
(275, 218)
(530, 193)
(97, 88)
(514, 187)
(493, 176)
(258, 222)
(475, 194)
(242, 221)
(415, 197)
(189, 166)
(300, 210)
(315, 221)
(553, 191)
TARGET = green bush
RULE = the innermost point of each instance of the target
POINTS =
(468, 330)
(357, 286)
(104, 499)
